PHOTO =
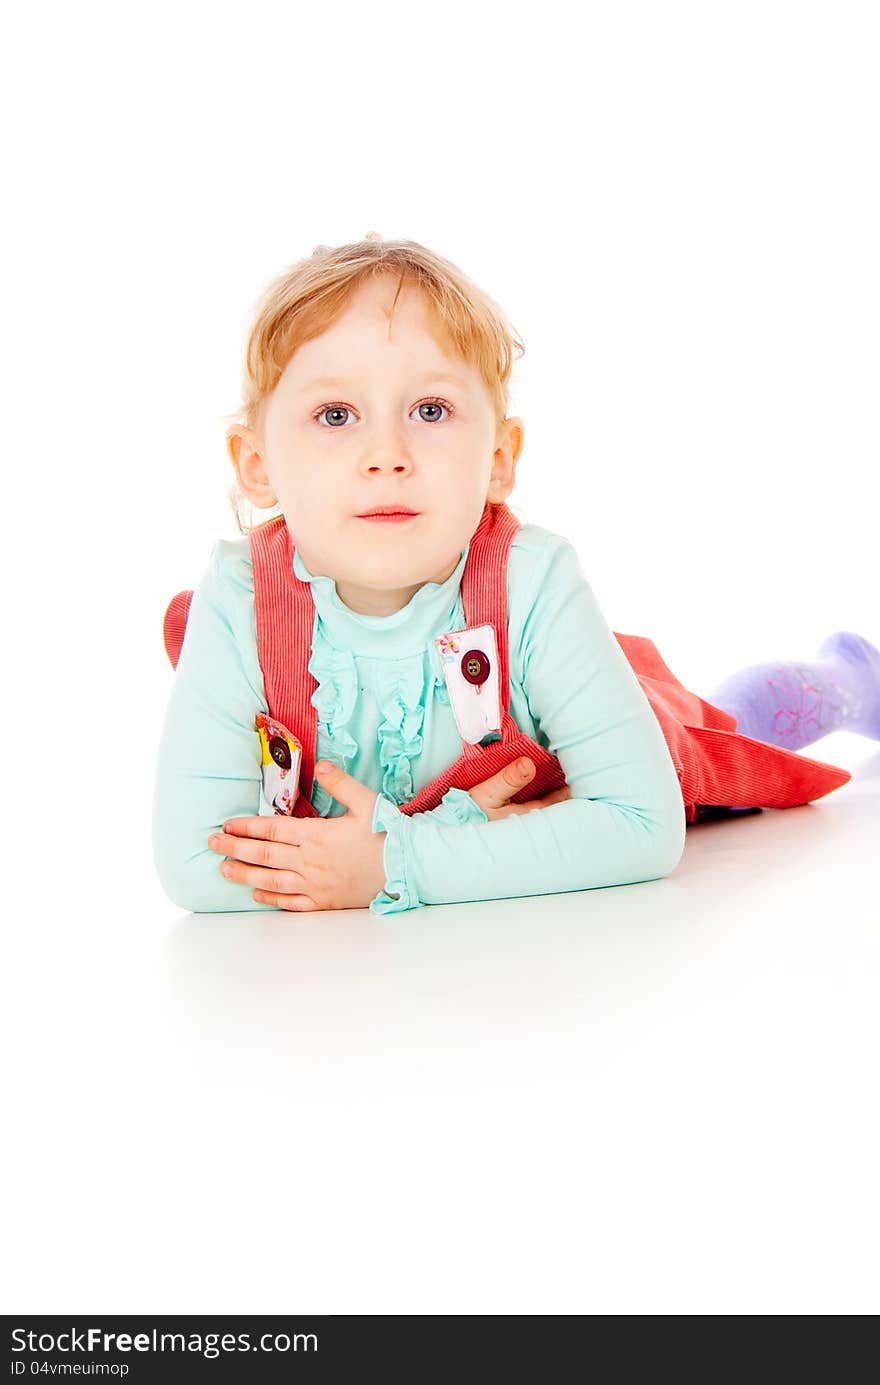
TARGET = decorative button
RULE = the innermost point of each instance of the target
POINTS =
(475, 667)
(280, 752)
(280, 760)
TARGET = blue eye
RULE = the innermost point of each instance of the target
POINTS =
(345, 408)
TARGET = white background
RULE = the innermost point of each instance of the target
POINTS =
(655, 1099)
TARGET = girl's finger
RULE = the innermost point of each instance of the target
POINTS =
(278, 828)
(295, 903)
(505, 810)
(281, 882)
(500, 788)
(257, 850)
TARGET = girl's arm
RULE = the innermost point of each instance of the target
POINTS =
(625, 821)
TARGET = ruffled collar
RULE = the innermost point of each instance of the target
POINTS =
(428, 613)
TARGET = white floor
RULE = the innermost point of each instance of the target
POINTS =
(659, 1098)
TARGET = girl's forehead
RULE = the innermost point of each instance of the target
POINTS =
(379, 327)
(354, 358)
(376, 312)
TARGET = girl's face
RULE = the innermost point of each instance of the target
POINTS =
(375, 413)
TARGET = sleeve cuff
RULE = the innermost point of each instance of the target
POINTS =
(457, 808)
(388, 818)
(454, 810)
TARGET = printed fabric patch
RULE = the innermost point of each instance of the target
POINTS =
(280, 758)
(469, 659)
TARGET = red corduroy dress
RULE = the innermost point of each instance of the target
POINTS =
(716, 766)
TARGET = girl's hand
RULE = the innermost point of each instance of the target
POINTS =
(493, 794)
(304, 864)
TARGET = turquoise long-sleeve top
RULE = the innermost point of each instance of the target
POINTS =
(384, 716)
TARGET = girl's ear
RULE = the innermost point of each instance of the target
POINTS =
(508, 445)
(243, 445)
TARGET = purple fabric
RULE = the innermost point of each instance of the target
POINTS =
(794, 704)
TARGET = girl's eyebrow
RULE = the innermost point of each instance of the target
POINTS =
(332, 381)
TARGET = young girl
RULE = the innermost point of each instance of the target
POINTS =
(429, 707)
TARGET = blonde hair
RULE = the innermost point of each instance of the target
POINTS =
(308, 297)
